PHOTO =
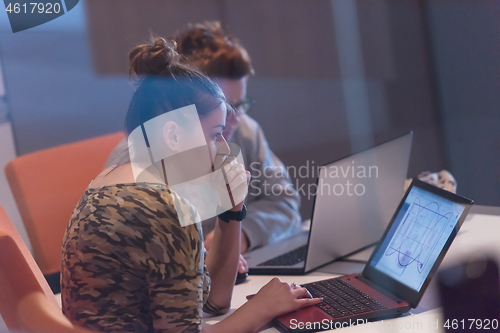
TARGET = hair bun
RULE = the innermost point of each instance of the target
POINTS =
(154, 58)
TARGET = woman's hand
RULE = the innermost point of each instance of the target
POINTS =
(237, 181)
(274, 299)
(242, 265)
(277, 298)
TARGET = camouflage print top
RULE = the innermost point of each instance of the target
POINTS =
(128, 265)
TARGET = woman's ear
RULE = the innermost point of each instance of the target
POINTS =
(171, 135)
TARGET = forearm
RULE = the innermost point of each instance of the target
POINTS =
(222, 261)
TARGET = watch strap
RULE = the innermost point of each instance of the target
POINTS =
(230, 215)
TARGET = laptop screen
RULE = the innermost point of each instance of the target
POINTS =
(416, 238)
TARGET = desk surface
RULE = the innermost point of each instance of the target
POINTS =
(480, 234)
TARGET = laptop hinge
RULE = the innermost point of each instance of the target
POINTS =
(379, 289)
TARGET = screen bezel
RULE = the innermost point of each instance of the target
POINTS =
(391, 285)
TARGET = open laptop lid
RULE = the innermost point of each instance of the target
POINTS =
(356, 197)
(420, 233)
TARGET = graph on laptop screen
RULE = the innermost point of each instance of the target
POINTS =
(416, 238)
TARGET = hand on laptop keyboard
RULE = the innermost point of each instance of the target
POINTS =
(277, 298)
(341, 299)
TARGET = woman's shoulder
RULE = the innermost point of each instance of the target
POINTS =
(126, 195)
(119, 186)
(126, 200)
(131, 209)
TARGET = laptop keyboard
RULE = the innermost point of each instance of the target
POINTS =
(341, 299)
(288, 259)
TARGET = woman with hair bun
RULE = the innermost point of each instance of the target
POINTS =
(272, 215)
(129, 264)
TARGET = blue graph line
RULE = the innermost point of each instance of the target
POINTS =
(419, 234)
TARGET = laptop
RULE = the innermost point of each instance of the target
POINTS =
(399, 270)
(356, 196)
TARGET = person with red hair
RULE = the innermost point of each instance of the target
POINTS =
(271, 215)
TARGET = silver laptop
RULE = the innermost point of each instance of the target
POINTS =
(356, 197)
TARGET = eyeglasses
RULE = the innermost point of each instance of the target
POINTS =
(243, 106)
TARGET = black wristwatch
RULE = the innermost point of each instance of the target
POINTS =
(230, 215)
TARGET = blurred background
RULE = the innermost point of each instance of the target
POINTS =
(331, 77)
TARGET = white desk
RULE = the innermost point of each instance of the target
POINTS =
(480, 234)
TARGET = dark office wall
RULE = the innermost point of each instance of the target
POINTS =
(399, 79)
(298, 85)
(66, 85)
(53, 94)
(465, 38)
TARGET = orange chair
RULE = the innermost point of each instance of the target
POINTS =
(47, 186)
(26, 302)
